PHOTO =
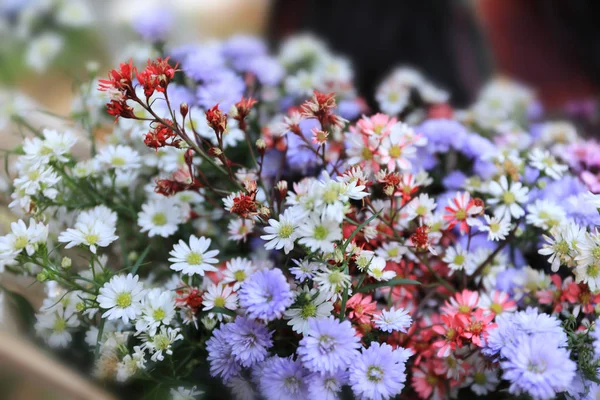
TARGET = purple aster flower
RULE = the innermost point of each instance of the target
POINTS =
(425, 159)
(542, 325)
(220, 354)
(329, 345)
(582, 211)
(506, 280)
(249, 340)
(283, 378)
(242, 49)
(266, 294)
(474, 146)
(327, 386)
(153, 23)
(442, 134)
(349, 109)
(558, 191)
(299, 156)
(204, 63)
(582, 389)
(537, 367)
(484, 169)
(267, 69)
(225, 89)
(454, 180)
(377, 373)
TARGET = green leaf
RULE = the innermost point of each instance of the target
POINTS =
(140, 260)
(393, 282)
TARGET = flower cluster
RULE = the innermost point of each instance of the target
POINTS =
(247, 219)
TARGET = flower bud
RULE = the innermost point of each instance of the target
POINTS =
(215, 152)
(209, 323)
(183, 109)
(42, 276)
(282, 186)
(66, 263)
(261, 145)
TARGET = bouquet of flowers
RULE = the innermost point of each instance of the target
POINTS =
(247, 227)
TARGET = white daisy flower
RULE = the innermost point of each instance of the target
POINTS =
(393, 320)
(377, 270)
(589, 249)
(309, 304)
(319, 234)
(194, 258)
(23, 237)
(545, 214)
(158, 307)
(304, 269)
(508, 198)
(56, 324)
(160, 344)
(160, 217)
(546, 162)
(35, 179)
(121, 297)
(91, 233)
(119, 157)
(131, 364)
(459, 259)
(589, 274)
(282, 234)
(219, 296)
(240, 228)
(391, 251)
(236, 271)
(333, 282)
(421, 206)
(557, 247)
(497, 228)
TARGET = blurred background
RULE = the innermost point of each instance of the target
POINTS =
(48, 48)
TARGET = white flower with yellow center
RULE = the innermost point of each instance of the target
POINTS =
(161, 217)
(508, 197)
(220, 296)
(320, 234)
(160, 344)
(158, 307)
(459, 259)
(236, 272)
(91, 233)
(282, 234)
(121, 297)
(193, 258)
(119, 157)
(309, 304)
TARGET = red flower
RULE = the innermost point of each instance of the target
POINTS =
(189, 297)
(460, 209)
(217, 120)
(162, 135)
(156, 76)
(119, 82)
(451, 331)
(320, 107)
(476, 327)
(360, 308)
(243, 107)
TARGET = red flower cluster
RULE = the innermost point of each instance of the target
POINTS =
(162, 135)
(243, 108)
(217, 120)
(320, 107)
(565, 295)
(463, 323)
(156, 76)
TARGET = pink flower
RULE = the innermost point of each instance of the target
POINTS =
(462, 303)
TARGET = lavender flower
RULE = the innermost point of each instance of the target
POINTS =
(249, 340)
(329, 345)
(220, 355)
(283, 378)
(378, 372)
(537, 367)
(225, 89)
(153, 23)
(204, 63)
(242, 49)
(327, 386)
(268, 71)
(443, 134)
(265, 295)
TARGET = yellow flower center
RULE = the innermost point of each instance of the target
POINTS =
(123, 300)
(194, 258)
(159, 219)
